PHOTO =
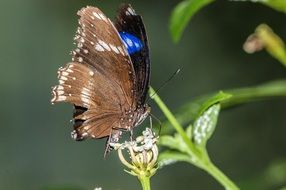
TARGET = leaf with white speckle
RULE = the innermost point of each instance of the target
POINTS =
(175, 143)
(170, 157)
(205, 125)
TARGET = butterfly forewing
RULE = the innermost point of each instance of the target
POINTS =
(100, 80)
(100, 46)
(128, 21)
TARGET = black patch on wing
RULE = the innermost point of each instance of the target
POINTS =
(129, 21)
(78, 122)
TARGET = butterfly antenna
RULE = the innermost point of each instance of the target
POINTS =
(164, 84)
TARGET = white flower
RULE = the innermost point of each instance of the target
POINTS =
(143, 153)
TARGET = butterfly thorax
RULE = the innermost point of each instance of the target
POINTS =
(133, 118)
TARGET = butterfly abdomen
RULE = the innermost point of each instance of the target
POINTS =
(131, 42)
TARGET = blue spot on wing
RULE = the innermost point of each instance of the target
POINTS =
(131, 42)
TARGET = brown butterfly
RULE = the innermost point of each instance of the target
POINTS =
(108, 78)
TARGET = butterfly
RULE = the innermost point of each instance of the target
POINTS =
(108, 79)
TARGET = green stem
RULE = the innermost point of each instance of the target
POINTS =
(174, 122)
(201, 156)
(216, 173)
(269, 90)
(220, 176)
(250, 94)
(145, 182)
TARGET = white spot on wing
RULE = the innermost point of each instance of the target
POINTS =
(103, 44)
(99, 47)
(91, 73)
(96, 15)
(74, 134)
(84, 134)
(84, 99)
(60, 92)
(69, 70)
(125, 50)
(63, 78)
(54, 96)
(131, 11)
(85, 91)
(60, 87)
(80, 45)
(65, 73)
(76, 37)
(61, 98)
(103, 17)
(121, 50)
(114, 48)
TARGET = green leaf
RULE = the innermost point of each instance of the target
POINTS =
(279, 5)
(189, 111)
(189, 131)
(219, 97)
(182, 14)
(168, 141)
(175, 143)
(169, 157)
(205, 125)
(184, 11)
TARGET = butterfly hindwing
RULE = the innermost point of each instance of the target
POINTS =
(82, 86)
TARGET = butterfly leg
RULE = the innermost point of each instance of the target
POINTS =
(151, 124)
(131, 135)
(114, 137)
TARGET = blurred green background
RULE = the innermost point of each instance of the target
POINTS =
(36, 151)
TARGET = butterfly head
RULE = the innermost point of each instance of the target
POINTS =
(143, 112)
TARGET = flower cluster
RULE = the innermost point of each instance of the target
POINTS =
(143, 154)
